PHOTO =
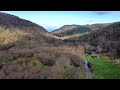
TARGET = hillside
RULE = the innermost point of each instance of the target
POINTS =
(11, 21)
(69, 30)
(17, 30)
(108, 38)
(110, 32)
(28, 51)
(99, 26)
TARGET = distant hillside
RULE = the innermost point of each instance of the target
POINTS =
(77, 29)
(11, 21)
(94, 27)
(70, 30)
(110, 32)
(108, 38)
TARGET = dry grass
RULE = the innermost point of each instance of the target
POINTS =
(8, 36)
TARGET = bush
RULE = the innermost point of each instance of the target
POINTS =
(7, 46)
(6, 57)
(57, 61)
(19, 70)
(51, 73)
(46, 59)
(62, 70)
(75, 60)
(90, 65)
(21, 52)
(68, 70)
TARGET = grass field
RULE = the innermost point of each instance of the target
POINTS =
(104, 69)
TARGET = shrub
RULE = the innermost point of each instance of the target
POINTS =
(7, 46)
(75, 60)
(19, 71)
(46, 59)
(62, 70)
(57, 61)
(21, 52)
(6, 57)
(68, 70)
(90, 65)
(51, 73)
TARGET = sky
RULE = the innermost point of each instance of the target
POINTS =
(51, 20)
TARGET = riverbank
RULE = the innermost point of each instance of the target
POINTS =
(103, 69)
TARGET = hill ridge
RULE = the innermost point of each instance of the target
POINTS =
(13, 21)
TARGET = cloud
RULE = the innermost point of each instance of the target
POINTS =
(101, 12)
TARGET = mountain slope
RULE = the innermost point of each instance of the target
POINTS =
(70, 30)
(27, 51)
(110, 32)
(94, 27)
(17, 30)
(108, 38)
(11, 21)
(77, 29)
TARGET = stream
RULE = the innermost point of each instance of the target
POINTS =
(87, 68)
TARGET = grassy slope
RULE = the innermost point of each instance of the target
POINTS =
(7, 36)
(72, 36)
(104, 69)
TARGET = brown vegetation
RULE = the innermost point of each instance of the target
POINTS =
(107, 39)
(47, 63)
(27, 51)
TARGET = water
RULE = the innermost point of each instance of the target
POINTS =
(87, 69)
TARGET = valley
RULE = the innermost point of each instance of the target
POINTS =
(29, 51)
